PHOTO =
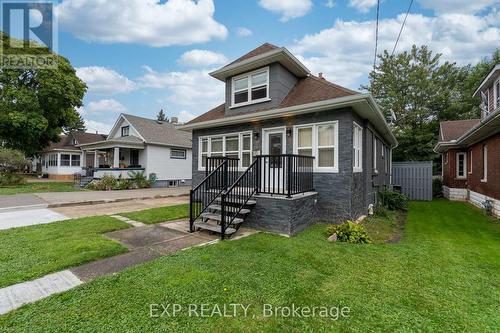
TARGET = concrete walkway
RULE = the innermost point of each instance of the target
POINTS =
(13, 297)
(24, 218)
(21, 200)
(145, 243)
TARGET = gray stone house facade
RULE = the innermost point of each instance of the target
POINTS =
(275, 106)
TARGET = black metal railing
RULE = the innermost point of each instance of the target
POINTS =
(234, 199)
(218, 178)
(286, 174)
(231, 166)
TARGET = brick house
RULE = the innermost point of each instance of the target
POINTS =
(285, 149)
(470, 150)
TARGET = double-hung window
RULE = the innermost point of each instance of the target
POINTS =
(321, 141)
(461, 165)
(375, 156)
(485, 164)
(75, 160)
(236, 145)
(250, 88)
(496, 94)
(65, 160)
(357, 147)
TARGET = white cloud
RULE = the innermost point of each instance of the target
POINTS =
(330, 4)
(244, 32)
(363, 6)
(458, 6)
(202, 58)
(194, 88)
(288, 9)
(185, 116)
(149, 22)
(103, 106)
(97, 126)
(102, 80)
(344, 52)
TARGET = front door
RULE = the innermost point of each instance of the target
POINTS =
(273, 145)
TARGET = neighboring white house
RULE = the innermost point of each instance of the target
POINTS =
(61, 160)
(143, 145)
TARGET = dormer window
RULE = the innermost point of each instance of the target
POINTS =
(250, 88)
(125, 130)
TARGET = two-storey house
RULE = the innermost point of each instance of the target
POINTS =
(470, 150)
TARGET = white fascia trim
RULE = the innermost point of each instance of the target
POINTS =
(486, 79)
(282, 52)
(130, 124)
(492, 116)
(298, 109)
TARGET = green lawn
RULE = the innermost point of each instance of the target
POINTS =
(38, 187)
(162, 214)
(30, 252)
(442, 277)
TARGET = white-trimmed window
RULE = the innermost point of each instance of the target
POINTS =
(179, 154)
(461, 165)
(75, 160)
(125, 131)
(65, 159)
(485, 164)
(470, 161)
(250, 88)
(50, 160)
(496, 94)
(237, 145)
(357, 148)
(321, 141)
(375, 154)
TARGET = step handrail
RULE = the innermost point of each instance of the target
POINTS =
(240, 192)
(200, 194)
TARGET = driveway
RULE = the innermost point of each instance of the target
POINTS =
(18, 200)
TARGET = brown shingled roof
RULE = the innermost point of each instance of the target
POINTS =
(307, 90)
(454, 129)
(83, 137)
(266, 47)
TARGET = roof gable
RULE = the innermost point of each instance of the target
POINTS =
(266, 47)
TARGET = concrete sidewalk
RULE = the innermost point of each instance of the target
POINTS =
(27, 217)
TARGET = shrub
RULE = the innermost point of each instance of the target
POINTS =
(11, 160)
(393, 200)
(437, 188)
(9, 179)
(138, 179)
(349, 232)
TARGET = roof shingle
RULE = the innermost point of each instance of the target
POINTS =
(454, 129)
(307, 90)
(266, 47)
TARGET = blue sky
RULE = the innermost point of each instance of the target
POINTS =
(140, 56)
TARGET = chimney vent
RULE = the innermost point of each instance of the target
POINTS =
(174, 120)
(321, 76)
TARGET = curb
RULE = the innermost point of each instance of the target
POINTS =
(97, 202)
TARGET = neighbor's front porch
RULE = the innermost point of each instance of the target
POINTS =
(114, 159)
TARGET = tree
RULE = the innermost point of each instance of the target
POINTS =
(77, 124)
(161, 116)
(422, 91)
(36, 104)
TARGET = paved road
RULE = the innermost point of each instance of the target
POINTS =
(23, 218)
(20, 200)
(118, 207)
(54, 198)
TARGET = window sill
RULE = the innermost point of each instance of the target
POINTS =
(325, 170)
(357, 170)
(234, 106)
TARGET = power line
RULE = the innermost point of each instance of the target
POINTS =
(376, 35)
(402, 26)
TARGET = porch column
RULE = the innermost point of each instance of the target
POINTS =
(83, 157)
(116, 158)
(96, 162)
